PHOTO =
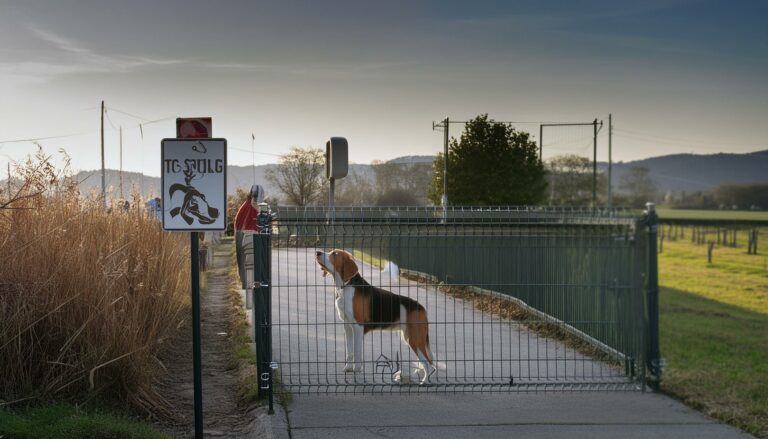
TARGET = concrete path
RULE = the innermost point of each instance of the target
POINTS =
(477, 351)
(477, 415)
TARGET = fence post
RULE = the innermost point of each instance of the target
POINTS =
(653, 356)
(710, 246)
(258, 307)
(262, 310)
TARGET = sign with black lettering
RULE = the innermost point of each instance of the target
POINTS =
(194, 177)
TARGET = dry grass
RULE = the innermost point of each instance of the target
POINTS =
(87, 297)
(243, 359)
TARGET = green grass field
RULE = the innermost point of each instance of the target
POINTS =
(733, 277)
(714, 331)
(65, 421)
(722, 215)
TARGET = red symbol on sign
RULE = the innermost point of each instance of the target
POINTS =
(194, 127)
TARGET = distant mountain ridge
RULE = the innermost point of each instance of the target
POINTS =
(694, 172)
(672, 173)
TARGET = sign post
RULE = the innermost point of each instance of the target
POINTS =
(194, 175)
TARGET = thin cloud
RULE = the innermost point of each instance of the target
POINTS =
(72, 57)
(59, 41)
(308, 70)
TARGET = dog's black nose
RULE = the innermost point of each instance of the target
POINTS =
(318, 253)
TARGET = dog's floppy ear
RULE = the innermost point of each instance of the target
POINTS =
(349, 268)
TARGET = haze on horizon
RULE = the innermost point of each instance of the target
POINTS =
(678, 76)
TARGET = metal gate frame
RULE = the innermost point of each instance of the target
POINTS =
(643, 368)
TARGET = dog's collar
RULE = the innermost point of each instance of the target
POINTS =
(346, 284)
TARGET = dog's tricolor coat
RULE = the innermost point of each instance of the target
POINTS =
(364, 308)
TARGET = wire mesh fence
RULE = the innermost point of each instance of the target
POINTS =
(515, 299)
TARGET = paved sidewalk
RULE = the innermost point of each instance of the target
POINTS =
(478, 415)
(309, 346)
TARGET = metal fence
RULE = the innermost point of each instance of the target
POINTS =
(516, 298)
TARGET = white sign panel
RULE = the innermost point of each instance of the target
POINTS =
(194, 185)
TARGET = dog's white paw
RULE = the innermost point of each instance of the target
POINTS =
(352, 367)
(401, 377)
(425, 379)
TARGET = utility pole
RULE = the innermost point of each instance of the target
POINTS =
(541, 143)
(121, 162)
(610, 162)
(103, 174)
(594, 164)
(446, 124)
(8, 182)
(253, 156)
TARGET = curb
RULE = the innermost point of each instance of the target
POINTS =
(265, 426)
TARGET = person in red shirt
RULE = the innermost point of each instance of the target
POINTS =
(247, 217)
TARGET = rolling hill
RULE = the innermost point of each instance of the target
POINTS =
(672, 173)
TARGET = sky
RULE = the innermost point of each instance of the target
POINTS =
(677, 76)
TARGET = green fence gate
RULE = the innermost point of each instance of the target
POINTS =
(516, 298)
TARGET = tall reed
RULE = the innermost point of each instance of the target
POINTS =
(88, 297)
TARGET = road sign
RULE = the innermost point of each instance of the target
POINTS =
(194, 177)
(194, 127)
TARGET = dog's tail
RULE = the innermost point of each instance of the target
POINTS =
(439, 365)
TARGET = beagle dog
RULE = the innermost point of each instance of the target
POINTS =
(364, 308)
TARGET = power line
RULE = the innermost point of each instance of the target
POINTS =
(512, 122)
(82, 133)
(34, 139)
(128, 114)
(577, 140)
(664, 139)
(109, 119)
(256, 152)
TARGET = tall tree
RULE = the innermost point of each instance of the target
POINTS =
(570, 180)
(491, 164)
(353, 190)
(394, 178)
(742, 196)
(638, 185)
(299, 175)
(396, 197)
